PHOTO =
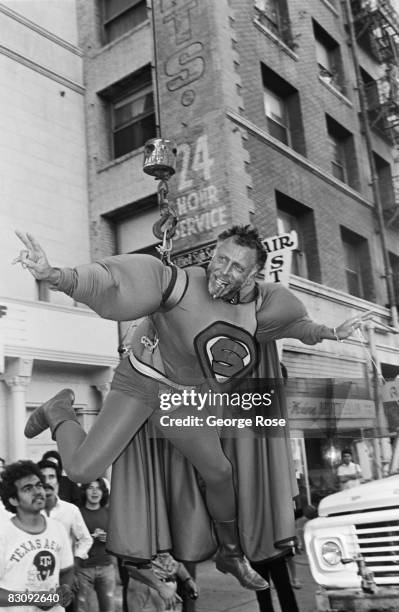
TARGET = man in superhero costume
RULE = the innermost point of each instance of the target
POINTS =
(210, 335)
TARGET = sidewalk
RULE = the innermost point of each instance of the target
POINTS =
(221, 592)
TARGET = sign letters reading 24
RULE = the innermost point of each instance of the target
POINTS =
(198, 204)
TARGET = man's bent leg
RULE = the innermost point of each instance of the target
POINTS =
(86, 456)
(203, 449)
(201, 446)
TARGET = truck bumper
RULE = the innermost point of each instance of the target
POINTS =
(354, 600)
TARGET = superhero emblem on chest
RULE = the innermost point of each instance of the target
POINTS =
(225, 352)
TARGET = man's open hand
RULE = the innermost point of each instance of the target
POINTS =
(348, 327)
(167, 591)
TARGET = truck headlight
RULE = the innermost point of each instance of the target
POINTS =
(331, 553)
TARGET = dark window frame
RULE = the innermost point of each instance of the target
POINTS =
(342, 142)
(273, 14)
(109, 21)
(273, 122)
(359, 269)
(333, 73)
(305, 262)
(133, 87)
(289, 96)
(385, 181)
(338, 158)
(289, 222)
(138, 121)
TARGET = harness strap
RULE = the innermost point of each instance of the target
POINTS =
(175, 290)
(151, 372)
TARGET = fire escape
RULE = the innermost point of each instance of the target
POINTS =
(377, 31)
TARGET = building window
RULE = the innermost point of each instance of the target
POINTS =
(276, 115)
(382, 116)
(132, 226)
(269, 14)
(353, 270)
(328, 58)
(273, 14)
(282, 110)
(394, 263)
(133, 121)
(132, 113)
(370, 89)
(385, 182)
(286, 223)
(342, 153)
(338, 164)
(121, 16)
(358, 269)
(292, 215)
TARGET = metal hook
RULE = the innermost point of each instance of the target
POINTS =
(166, 224)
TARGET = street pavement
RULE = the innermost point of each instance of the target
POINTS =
(222, 593)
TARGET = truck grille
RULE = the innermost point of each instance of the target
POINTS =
(379, 545)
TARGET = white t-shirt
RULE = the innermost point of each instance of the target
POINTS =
(33, 562)
(349, 470)
(71, 517)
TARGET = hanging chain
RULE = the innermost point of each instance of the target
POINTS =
(149, 344)
(165, 228)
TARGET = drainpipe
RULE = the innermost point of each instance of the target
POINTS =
(374, 177)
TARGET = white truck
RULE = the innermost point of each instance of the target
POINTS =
(353, 548)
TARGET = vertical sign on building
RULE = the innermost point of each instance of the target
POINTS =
(279, 257)
(278, 264)
(190, 103)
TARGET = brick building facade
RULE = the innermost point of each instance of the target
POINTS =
(262, 101)
(261, 98)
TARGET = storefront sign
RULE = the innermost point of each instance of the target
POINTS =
(322, 408)
(195, 257)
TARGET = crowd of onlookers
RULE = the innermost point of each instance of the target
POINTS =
(53, 536)
(53, 541)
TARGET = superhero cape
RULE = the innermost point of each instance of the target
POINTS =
(157, 499)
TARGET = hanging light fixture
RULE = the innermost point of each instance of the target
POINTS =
(331, 452)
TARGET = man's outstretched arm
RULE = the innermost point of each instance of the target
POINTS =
(282, 315)
(120, 288)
